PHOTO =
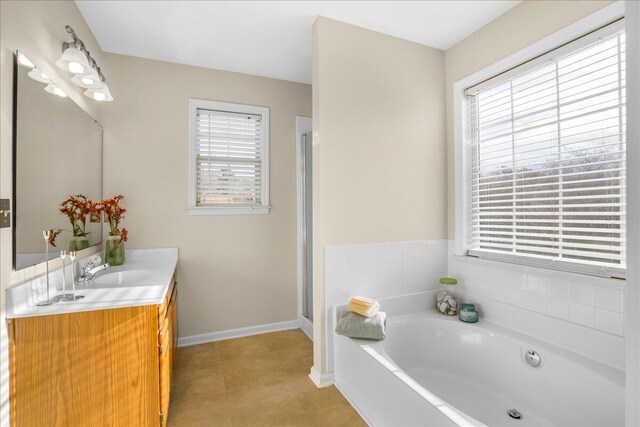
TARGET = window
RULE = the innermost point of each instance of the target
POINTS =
(547, 159)
(228, 158)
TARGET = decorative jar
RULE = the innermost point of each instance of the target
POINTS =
(78, 243)
(468, 313)
(114, 252)
(447, 297)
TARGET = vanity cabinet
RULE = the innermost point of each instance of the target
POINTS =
(107, 367)
(167, 344)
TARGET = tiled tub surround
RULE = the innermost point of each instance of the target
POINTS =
(586, 300)
(379, 270)
(575, 311)
(571, 310)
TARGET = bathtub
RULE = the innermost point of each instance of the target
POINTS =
(433, 370)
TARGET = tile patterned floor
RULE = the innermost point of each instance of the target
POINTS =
(254, 381)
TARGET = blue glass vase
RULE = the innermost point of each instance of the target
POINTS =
(468, 313)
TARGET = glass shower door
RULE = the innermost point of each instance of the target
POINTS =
(307, 218)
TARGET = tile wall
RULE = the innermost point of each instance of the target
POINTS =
(589, 301)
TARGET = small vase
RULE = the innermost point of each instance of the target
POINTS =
(468, 313)
(114, 253)
(77, 243)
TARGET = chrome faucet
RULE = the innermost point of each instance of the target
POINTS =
(89, 271)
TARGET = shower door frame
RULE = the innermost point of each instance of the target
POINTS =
(303, 126)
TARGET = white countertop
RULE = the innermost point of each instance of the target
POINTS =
(149, 288)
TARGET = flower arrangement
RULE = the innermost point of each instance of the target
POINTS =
(77, 208)
(113, 214)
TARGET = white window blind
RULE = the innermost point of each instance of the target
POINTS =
(230, 149)
(548, 158)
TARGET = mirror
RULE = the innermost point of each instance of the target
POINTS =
(57, 149)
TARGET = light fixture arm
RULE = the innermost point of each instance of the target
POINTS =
(79, 44)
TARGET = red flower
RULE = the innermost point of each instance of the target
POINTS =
(124, 236)
(53, 234)
(113, 214)
(77, 208)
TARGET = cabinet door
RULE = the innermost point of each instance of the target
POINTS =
(93, 368)
(166, 343)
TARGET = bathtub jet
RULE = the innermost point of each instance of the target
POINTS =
(514, 413)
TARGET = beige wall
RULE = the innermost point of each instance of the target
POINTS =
(37, 29)
(234, 271)
(379, 145)
(518, 28)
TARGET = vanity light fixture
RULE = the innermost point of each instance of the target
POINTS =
(55, 90)
(24, 61)
(73, 59)
(88, 81)
(39, 76)
(76, 59)
(100, 94)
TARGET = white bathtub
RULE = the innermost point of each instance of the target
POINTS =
(432, 370)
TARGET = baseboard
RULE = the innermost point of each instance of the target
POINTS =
(306, 325)
(321, 380)
(237, 333)
(345, 394)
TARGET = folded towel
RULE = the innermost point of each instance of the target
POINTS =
(364, 306)
(356, 326)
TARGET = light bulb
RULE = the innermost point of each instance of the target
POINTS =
(24, 61)
(73, 60)
(100, 94)
(38, 76)
(89, 80)
(55, 90)
(75, 67)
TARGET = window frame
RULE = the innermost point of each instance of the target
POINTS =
(462, 145)
(192, 206)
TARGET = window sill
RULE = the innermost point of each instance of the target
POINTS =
(541, 270)
(248, 210)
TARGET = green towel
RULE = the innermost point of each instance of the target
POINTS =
(354, 325)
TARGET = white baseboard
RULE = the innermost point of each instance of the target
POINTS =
(237, 333)
(306, 325)
(321, 380)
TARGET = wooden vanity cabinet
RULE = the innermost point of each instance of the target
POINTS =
(94, 368)
(167, 343)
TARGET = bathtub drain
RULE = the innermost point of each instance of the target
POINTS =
(513, 413)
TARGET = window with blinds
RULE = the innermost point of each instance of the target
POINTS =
(547, 146)
(229, 158)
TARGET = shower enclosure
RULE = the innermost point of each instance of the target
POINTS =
(307, 225)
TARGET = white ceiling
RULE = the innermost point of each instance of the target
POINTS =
(270, 38)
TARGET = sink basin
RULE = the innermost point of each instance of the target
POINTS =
(122, 278)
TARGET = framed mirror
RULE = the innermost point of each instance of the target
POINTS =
(57, 153)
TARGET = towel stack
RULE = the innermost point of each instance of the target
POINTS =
(363, 320)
